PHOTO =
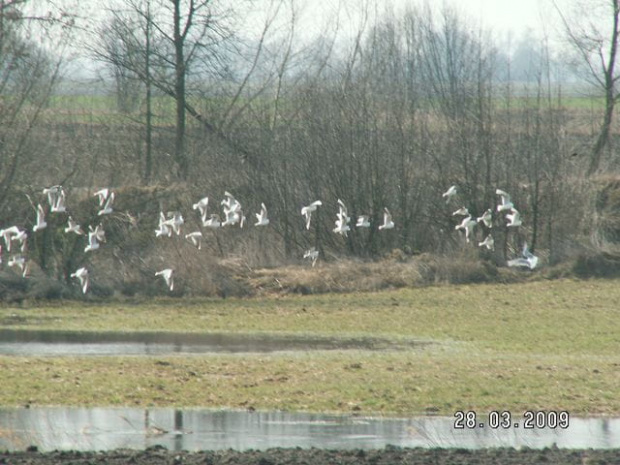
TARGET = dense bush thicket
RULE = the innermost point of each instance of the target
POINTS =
(415, 104)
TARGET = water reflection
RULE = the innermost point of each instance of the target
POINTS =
(194, 429)
(58, 343)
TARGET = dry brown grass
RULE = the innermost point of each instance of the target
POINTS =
(341, 276)
(350, 275)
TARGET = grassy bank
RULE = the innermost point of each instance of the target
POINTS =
(539, 345)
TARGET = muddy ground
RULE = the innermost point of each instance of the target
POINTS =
(390, 455)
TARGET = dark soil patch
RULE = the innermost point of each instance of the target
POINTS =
(390, 455)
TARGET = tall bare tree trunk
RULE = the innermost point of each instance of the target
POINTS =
(179, 89)
(591, 44)
(610, 95)
(602, 140)
(148, 162)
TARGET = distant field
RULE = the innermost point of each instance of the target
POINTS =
(542, 345)
(98, 108)
(103, 109)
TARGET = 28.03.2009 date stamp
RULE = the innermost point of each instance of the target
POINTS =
(531, 419)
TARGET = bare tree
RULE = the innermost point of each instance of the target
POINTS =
(127, 83)
(182, 37)
(593, 34)
(28, 75)
(126, 45)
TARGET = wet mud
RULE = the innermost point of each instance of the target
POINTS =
(390, 455)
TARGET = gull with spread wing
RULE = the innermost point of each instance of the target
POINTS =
(41, 224)
(506, 204)
(20, 262)
(488, 242)
(195, 238)
(527, 259)
(363, 221)
(73, 227)
(486, 218)
(514, 218)
(312, 254)
(261, 218)
(451, 192)
(308, 210)
(387, 220)
(82, 275)
(167, 275)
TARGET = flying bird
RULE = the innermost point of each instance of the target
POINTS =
(527, 259)
(22, 238)
(93, 243)
(73, 227)
(195, 238)
(233, 213)
(20, 262)
(343, 219)
(163, 229)
(342, 227)
(102, 195)
(462, 211)
(175, 222)
(387, 220)
(451, 192)
(467, 225)
(167, 275)
(59, 205)
(514, 218)
(95, 236)
(307, 211)
(261, 218)
(82, 275)
(233, 216)
(14, 234)
(41, 224)
(230, 202)
(363, 221)
(213, 222)
(506, 203)
(201, 206)
(98, 232)
(486, 218)
(312, 254)
(107, 208)
(343, 210)
(52, 194)
(488, 242)
(8, 234)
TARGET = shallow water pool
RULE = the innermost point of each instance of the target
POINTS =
(26, 342)
(199, 429)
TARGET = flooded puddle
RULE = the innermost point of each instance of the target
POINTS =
(195, 429)
(60, 343)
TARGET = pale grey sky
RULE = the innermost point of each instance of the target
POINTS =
(503, 17)
(507, 15)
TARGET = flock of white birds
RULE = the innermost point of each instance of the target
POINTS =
(513, 217)
(172, 223)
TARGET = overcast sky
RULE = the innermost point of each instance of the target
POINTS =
(504, 17)
(501, 15)
(507, 15)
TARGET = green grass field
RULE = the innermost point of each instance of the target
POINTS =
(551, 345)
